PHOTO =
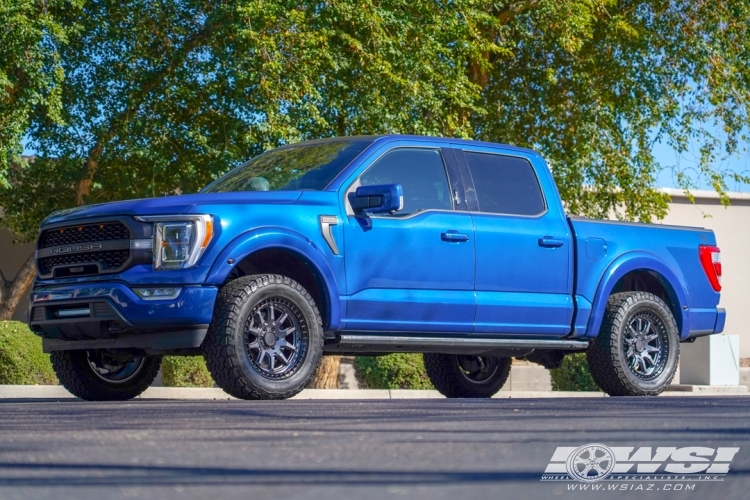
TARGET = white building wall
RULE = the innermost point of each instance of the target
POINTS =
(732, 228)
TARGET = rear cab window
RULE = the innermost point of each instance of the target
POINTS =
(505, 184)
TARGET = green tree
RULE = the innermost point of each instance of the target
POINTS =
(31, 76)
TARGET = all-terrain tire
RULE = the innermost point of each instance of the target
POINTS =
(607, 355)
(450, 379)
(77, 376)
(227, 350)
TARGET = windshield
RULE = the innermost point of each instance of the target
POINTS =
(311, 166)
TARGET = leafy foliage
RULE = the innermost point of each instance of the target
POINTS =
(185, 371)
(573, 375)
(162, 97)
(31, 72)
(22, 361)
(393, 371)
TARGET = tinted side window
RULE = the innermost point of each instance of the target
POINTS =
(420, 172)
(505, 184)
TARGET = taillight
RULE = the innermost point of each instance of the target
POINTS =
(711, 262)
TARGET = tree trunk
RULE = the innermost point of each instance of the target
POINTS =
(327, 376)
(12, 291)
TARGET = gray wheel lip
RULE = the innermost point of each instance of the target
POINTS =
(116, 382)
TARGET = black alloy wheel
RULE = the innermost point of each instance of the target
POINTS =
(104, 374)
(460, 376)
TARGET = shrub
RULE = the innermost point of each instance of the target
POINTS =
(185, 371)
(22, 361)
(393, 371)
(573, 375)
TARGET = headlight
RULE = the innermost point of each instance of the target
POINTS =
(180, 240)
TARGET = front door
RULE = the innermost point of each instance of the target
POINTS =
(413, 270)
(523, 245)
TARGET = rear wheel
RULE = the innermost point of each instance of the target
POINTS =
(638, 346)
(457, 376)
(105, 375)
(266, 339)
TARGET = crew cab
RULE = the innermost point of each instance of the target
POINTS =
(457, 249)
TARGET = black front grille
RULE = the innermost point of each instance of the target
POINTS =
(85, 233)
(112, 259)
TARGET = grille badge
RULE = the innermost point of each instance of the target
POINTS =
(91, 247)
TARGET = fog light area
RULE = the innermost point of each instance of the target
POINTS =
(157, 293)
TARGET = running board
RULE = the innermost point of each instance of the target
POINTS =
(392, 343)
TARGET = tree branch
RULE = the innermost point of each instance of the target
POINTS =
(91, 164)
(11, 292)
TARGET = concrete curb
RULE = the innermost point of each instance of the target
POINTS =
(34, 392)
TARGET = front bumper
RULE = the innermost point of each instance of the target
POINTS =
(113, 312)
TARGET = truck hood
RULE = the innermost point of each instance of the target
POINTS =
(171, 204)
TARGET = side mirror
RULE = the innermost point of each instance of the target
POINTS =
(375, 199)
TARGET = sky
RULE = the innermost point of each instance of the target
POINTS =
(671, 161)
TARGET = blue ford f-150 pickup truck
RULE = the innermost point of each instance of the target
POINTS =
(457, 249)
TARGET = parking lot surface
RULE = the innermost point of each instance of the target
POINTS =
(431, 449)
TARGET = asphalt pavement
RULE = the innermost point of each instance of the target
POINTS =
(415, 449)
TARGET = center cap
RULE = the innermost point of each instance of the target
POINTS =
(639, 345)
(269, 339)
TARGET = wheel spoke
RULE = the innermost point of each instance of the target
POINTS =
(254, 345)
(646, 327)
(283, 358)
(633, 333)
(271, 361)
(261, 353)
(289, 331)
(637, 364)
(288, 345)
(650, 338)
(283, 318)
(650, 348)
(645, 357)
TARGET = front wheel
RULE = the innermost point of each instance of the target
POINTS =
(637, 349)
(266, 338)
(104, 375)
(456, 376)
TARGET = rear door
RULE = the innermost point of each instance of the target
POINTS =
(523, 278)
